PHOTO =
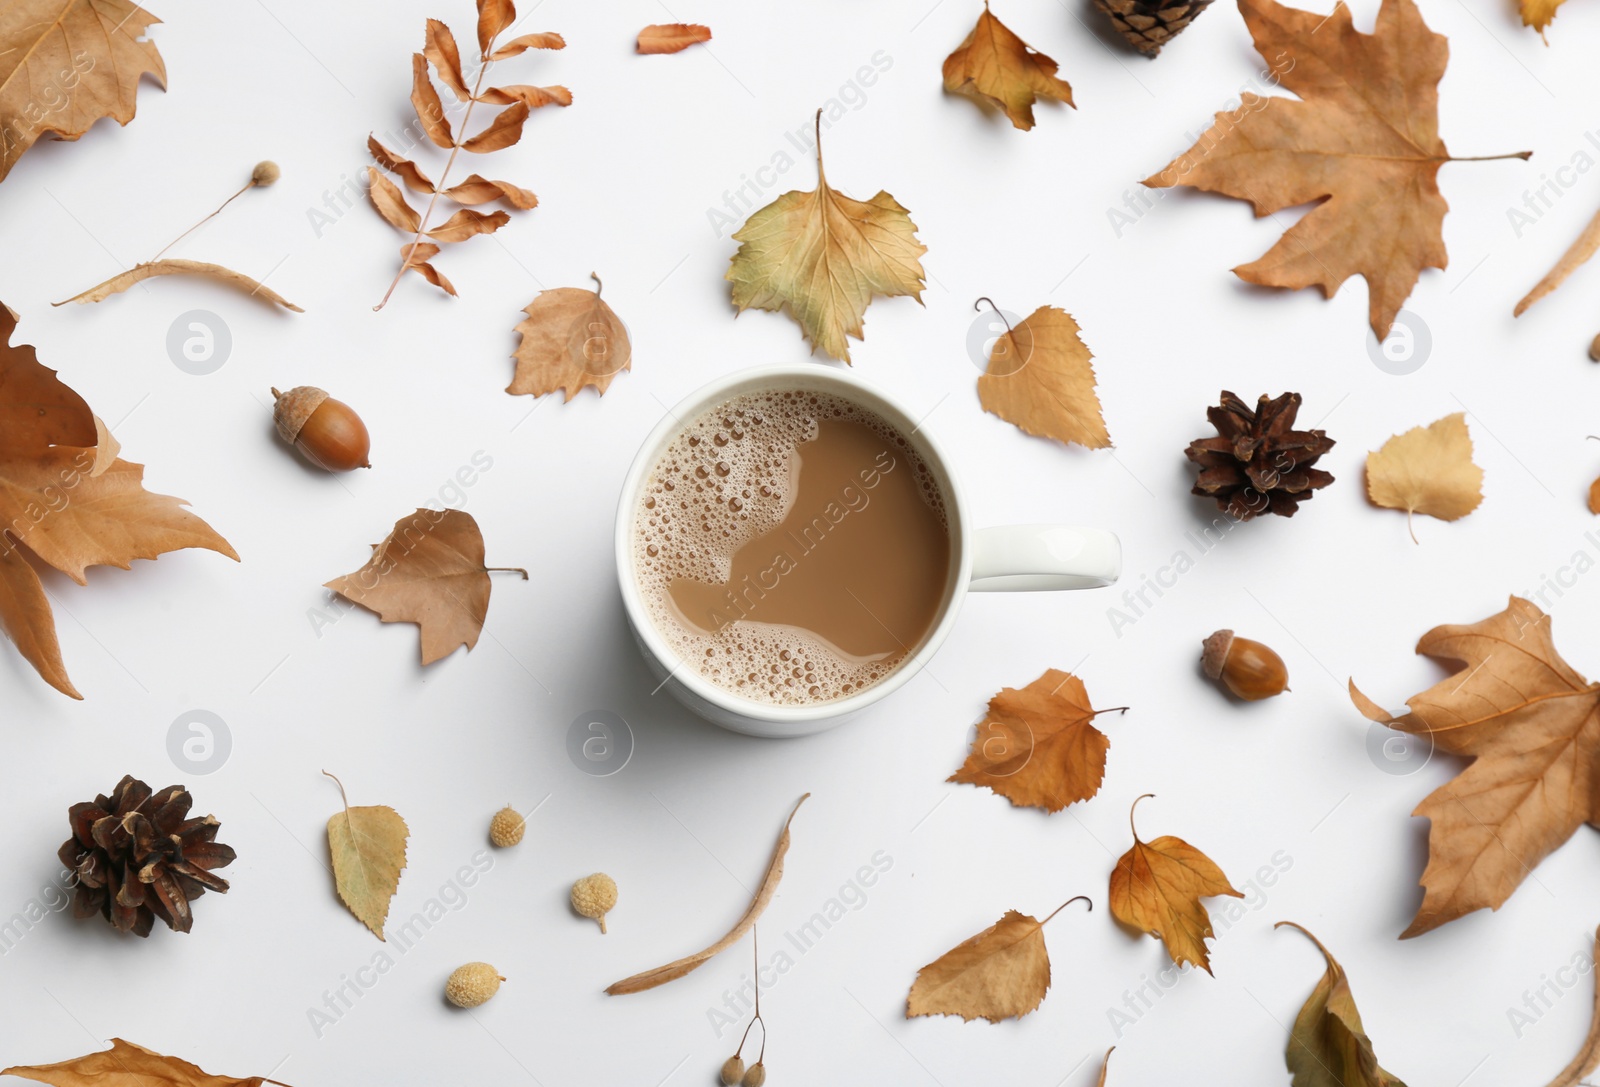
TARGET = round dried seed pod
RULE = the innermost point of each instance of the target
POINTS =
(595, 896)
(472, 984)
(507, 827)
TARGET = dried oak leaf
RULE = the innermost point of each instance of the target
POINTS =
(1157, 886)
(1361, 143)
(1427, 470)
(1041, 379)
(1036, 747)
(1588, 1057)
(67, 500)
(823, 256)
(994, 66)
(429, 570)
(570, 339)
(1001, 973)
(671, 37)
(64, 64)
(1531, 726)
(177, 267)
(127, 1065)
(1328, 1046)
(368, 847)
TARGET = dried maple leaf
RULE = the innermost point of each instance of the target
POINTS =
(1040, 378)
(368, 847)
(1361, 143)
(66, 499)
(676, 969)
(1427, 470)
(175, 267)
(64, 64)
(1036, 747)
(1588, 1056)
(671, 37)
(429, 570)
(1539, 14)
(1328, 1046)
(823, 256)
(1157, 886)
(571, 339)
(1531, 726)
(128, 1065)
(1001, 973)
(994, 66)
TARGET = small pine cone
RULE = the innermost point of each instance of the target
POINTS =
(1258, 463)
(136, 856)
(1150, 24)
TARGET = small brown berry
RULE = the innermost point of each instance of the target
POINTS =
(595, 896)
(1249, 669)
(507, 827)
(472, 984)
(732, 1071)
(327, 432)
(265, 173)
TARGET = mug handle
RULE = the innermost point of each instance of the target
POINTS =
(1030, 558)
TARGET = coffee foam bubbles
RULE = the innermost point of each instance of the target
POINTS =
(724, 479)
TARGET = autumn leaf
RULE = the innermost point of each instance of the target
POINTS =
(1105, 1066)
(1001, 973)
(570, 339)
(1588, 1056)
(1531, 726)
(994, 66)
(174, 267)
(1539, 14)
(68, 501)
(127, 1065)
(823, 256)
(368, 847)
(64, 64)
(1328, 1046)
(1577, 254)
(1427, 470)
(429, 570)
(1361, 143)
(1157, 886)
(1040, 378)
(1036, 747)
(671, 37)
(676, 969)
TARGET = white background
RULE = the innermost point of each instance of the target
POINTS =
(626, 177)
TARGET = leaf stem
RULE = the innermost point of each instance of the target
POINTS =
(997, 312)
(598, 286)
(1068, 902)
(248, 185)
(342, 797)
(822, 178)
(1523, 155)
(1131, 807)
(506, 570)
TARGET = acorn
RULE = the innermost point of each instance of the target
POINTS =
(327, 432)
(1249, 669)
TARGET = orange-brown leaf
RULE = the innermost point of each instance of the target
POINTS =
(493, 17)
(1531, 726)
(994, 66)
(1041, 378)
(528, 41)
(570, 339)
(1156, 887)
(126, 1065)
(419, 253)
(26, 619)
(502, 132)
(415, 179)
(441, 50)
(428, 271)
(532, 97)
(1036, 747)
(671, 37)
(1001, 973)
(391, 203)
(1577, 1071)
(425, 100)
(480, 190)
(467, 223)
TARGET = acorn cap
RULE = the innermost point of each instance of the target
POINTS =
(1214, 652)
(294, 408)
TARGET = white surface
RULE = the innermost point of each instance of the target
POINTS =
(626, 177)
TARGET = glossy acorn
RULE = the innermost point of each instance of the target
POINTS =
(326, 431)
(1249, 669)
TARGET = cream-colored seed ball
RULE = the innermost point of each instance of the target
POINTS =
(506, 828)
(595, 896)
(472, 984)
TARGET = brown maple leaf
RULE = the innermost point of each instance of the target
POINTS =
(1041, 379)
(1361, 143)
(1001, 973)
(1036, 747)
(128, 1065)
(429, 570)
(68, 501)
(64, 64)
(994, 66)
(1157, 886)
(1531, 726)
(570, 339)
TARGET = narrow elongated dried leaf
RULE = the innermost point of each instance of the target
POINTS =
(570, 339)
(1588, 1057)
(26, 619)
(1036, 747)
(1156, 887)
(1427, 470)
(172, 266)
(671, 37)
(64, 64)
(1105, 1066)
(415, 179)
(368, 847)
(1328, 1046)
(467, 223)
(823, 256)
(415, 258)
(638, 983)
(1539, 14)
(1041, 379)
(127, 1065)
(425, 100)
(429, 570)
(391, 203)
(493, 17)
(1001, 973)
(532, 97)
(994, 66)
(1531, 725)
(503, 131)
(1573, 259)
(528, 41)
(442, 52)
(480, 190)
(420, 253)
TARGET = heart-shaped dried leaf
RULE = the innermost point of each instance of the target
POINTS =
(1328, 1046)
(127, 1065)
(1001, 973)
(671, 37)
(570, 339)
(996, 67)
(1427, 470)
(368, 846)
(1040, 378)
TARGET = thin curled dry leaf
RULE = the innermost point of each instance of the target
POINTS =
(408, 171)
(1001, 973)
(570, 339)
(1328, 1046)
(442, 52)
(425, 100)
(127, 1065)
(1573, 259)
(480, 190)
(528, 41)
(176, 267)
(1588, 1057)
(672, 971)
(466, 223)
(532, 97)
(390, 203)
(368, 849)
(995, 67)
(1531, 726)
(64, 64)
(493, 18)
(1041, 379)
(671, 37)
(415, 258)
(1427, 470)
(502, 132)
(1105, 1066)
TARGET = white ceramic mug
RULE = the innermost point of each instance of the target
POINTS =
(1010, 559)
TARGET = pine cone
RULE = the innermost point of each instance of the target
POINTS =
(1150, 24)
(137, 857)
(1258, 463)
